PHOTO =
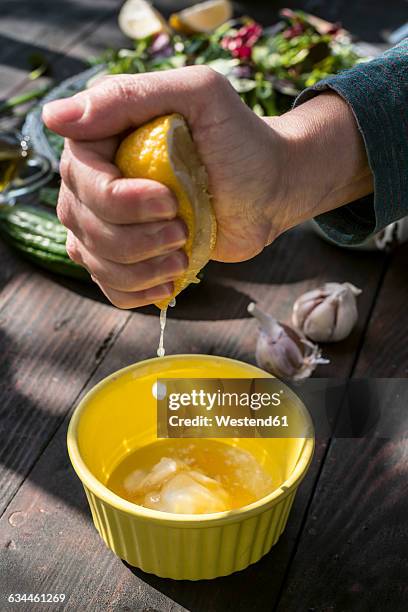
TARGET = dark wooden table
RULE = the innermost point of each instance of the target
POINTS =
(345, 547)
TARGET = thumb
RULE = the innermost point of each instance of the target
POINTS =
(120, 102)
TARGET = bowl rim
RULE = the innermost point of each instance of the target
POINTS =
(93, 485)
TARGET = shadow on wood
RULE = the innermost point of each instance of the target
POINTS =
(207, 301)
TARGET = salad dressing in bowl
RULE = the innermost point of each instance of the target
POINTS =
(113, 434)
(191, 476)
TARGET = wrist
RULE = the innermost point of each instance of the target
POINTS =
(323, 160)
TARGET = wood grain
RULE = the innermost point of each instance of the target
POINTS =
(352, 554)
(47, 525)
(274, 280)
(50, 343)
(48, 544)
(342, 548)
(385, 350)
(50, 29)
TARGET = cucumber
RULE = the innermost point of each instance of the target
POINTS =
(40, 237)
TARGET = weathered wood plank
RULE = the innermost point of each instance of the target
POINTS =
(352, 555)
(48, 29)
(212, 317)
(12, 270)
(50, 343)
(356, 561)
(274, 280)
(48, 543)
(105, 35)
(47, 540)
(385, 348)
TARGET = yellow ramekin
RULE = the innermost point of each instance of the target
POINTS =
(119, 415)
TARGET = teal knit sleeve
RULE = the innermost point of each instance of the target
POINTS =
(377, 92)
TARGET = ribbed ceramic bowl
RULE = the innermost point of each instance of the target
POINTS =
(118, 416)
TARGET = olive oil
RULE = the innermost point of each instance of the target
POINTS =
(191, 476)
(12, 156)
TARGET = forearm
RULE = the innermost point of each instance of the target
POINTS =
(377, 93)
(324, 162)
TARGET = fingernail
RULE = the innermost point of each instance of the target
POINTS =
(160, 292)
(175, 264)
(164, 209)
(175, 234)
(67, 110)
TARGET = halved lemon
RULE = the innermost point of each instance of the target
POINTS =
(138, 19)
(202, 17)
(163, 150)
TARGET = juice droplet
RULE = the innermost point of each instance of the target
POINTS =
(163, 316)
(159, 390)
(172, 302)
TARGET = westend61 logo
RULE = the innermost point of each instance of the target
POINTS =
(222, 408)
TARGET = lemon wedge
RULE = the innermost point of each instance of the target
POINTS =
(202, 17)
(164, 151)
(138, 19)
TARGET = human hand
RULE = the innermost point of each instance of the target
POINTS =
(265, 175)
(125, 231)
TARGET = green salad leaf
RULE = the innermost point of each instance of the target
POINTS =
(266, 69)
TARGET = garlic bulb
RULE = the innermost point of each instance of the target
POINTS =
(283, 351)
(327, 314)
(392, 235)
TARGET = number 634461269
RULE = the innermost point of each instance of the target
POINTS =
(36, 597)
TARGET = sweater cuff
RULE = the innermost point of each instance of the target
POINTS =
(375, 94)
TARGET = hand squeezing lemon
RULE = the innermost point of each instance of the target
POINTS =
(163, 150)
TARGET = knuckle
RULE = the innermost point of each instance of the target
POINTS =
(210, 89)
(208, 77)
(178, 260)
(152, 270)
(73, 250)
(106, 241)
(109, 205)
(143, 273)
(66, 170)
(120, 88)
(105, 275)
(110, 191)
(121, 301)
(99, 276)
(123, 248)
(91, 234)
(64, 212)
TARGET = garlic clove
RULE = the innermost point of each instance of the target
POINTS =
(283, 351)
(302, 308)
(347, 315)
(327, 314)
(282, 357)
(320, 318)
